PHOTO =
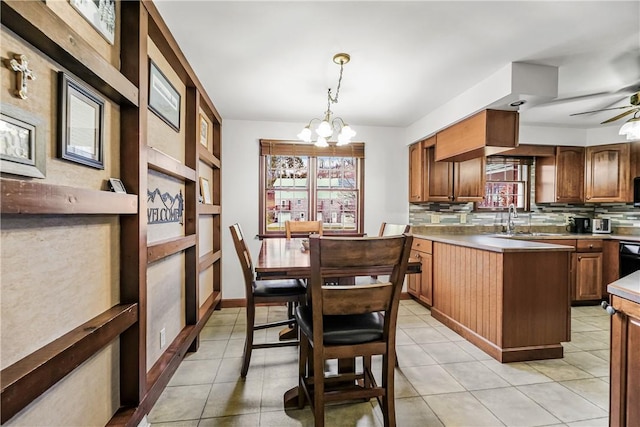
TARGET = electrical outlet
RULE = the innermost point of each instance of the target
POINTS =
(163, 337)
(435, 218)
(463, 218)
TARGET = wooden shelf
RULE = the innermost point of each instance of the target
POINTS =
(161, 162)
(30, 18)
(33, 198)
(165, 248)
(208, 158)
(31, 376)
(208, 259)
(209, 305)
(204, 209)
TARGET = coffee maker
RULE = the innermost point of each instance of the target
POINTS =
(579, 224)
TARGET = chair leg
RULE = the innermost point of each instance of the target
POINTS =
(318, 389)
(248, 341)
(388, 400)
(303, 360)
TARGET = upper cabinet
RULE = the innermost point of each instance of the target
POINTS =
(607, 176)
(485, 133)
(433, 181)
(560, 178)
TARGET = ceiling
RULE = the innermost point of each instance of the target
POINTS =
(272, 61)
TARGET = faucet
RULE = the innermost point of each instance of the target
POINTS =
(513, 213)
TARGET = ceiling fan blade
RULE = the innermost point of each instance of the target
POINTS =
(604, 109)
(619, 116)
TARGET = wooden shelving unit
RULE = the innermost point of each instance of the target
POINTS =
(127, 87)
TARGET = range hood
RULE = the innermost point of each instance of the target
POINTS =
(486, 133)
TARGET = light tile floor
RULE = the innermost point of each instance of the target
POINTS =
(442, 379)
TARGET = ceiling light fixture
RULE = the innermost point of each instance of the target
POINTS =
(631, 128)
(328, 124)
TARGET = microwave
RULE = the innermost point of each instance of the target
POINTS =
(601, 225)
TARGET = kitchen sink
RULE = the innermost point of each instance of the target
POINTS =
(527, 234)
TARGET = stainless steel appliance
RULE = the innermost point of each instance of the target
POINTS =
(601, 226)
(580, 225)
(629, 257)
(636, 191)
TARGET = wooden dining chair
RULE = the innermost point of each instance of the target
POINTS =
(287, 291)
(306, 227)
(387, 229)
(345, 322)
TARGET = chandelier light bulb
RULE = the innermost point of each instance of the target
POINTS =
(350, 133)
(321, 142)
(631, 129)
(305, 134)
(343, 139)
(324, 129)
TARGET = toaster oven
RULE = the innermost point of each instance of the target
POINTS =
(601, 226)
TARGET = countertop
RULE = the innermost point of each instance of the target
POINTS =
(627, 287)
(493, 243)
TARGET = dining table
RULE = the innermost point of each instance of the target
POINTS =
(282, 258)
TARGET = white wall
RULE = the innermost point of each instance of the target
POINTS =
(386, 184)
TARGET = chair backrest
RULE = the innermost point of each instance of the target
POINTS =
(307, 227)
(393, 229)
(244, 256)
(344, 257)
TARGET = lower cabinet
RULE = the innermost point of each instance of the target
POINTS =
(588, 276)
(625, 363)
(420, 286)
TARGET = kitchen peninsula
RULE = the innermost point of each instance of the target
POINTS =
(508, 297)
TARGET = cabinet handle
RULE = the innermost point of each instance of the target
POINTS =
(579, 258)
(608, 308)
(590, 246)
(588, 197)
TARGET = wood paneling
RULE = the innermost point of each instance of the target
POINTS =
(504, 303)
(607, 173)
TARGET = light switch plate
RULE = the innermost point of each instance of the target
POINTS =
(435, 218)
(163, 337)
(463, 218)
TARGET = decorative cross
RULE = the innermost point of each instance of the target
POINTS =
(21, 66)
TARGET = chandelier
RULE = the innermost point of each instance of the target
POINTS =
(631, 128)
(329, 124)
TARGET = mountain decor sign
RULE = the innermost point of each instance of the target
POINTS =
(164, 208)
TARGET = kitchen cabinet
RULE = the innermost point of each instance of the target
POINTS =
(453, 181)
(610, 263)
(624, 381)
(416, 172)
(560, 178)
(420, 285)
(607, 176)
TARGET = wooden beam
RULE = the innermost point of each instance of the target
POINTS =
(31, 197)
(31, 376)
(161, 162)
(208, 259)
(165, 248)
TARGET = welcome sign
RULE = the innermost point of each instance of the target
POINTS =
(164, 208)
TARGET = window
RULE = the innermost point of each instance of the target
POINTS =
(507, 181)
(301, 182)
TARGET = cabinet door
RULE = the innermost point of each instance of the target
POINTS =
(569, 174)
(607, 173)
(413, 280)
(625, 364)
(470, 177)
(426, 282)
(416, 172)
(588, 279)
(439, 178)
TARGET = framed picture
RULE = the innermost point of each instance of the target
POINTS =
(22, 143)
(204, 131)
(117, 186)
(164, 99)
(100, 13)
(80, 123)
(205, 191)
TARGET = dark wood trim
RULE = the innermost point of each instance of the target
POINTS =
(208, 158)
(528, 150)
(209, 209)
(209, 305)
(165, 248)
(61, 43)
(208, 259)
(31, 198)
(161, 162)
(31, 376)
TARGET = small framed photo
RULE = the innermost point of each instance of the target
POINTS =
(205, 191)
(100, 14)
(204, 131)
(80, 123)
(164, 99)
(22, 143)
(117, 186)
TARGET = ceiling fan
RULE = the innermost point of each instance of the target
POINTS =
(634, 101)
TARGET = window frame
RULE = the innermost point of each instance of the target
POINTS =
(518, 161)
(294, 148)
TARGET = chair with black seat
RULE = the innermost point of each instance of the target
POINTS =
(345, 322)
(302, 227)
(289, 291)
